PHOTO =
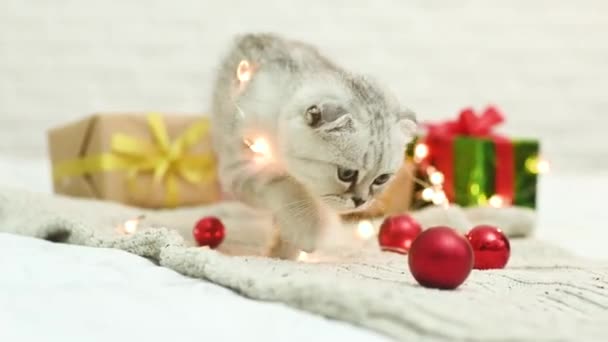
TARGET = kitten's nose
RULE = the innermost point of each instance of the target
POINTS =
(358, 201)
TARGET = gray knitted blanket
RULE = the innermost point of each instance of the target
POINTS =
(543, 295)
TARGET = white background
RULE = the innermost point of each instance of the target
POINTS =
(544, 62)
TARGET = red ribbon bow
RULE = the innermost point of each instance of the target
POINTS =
(440, 139)
(468, 123)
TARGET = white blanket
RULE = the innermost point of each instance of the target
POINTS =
(67, 292)
(544, 295)
(64, 293)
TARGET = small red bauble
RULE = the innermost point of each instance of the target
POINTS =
(440, 257)
(397, 233)
(209, 231)
(490, 246)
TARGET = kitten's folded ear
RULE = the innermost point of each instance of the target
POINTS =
(407, 123)
(329, 118)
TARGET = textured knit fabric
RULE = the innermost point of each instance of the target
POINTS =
(544, 294)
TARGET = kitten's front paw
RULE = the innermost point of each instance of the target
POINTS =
(303, 226)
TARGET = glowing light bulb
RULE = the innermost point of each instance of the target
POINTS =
(436, 178)
(421, 151)
(439, 198)
(261, 148)
(243, 71)
(303, 256)
(496, 201)
(475, 189)
(365, 230)
(130, 226)
(537, 165)
(428, 194)
(543, 166)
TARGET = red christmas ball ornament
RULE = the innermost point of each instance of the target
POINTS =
(490, 247)
(209, 231)
(397, 233)
(440, 257)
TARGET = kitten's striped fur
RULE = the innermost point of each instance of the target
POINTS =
(317, 117)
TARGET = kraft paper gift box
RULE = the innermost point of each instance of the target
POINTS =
(145, 160)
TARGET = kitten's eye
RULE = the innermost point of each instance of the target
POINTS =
(313, 116)
(382, 179)
(347, 175)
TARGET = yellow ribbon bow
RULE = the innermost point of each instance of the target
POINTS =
(167, 160)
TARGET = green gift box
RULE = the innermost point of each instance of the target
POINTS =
(469, 165)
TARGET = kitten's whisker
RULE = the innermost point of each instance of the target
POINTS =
(293, 204)
(301, 211)
(241, 113)
(418, 180)
(421, 182)
(290, 207)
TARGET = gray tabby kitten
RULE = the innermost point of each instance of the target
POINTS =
(335, 138)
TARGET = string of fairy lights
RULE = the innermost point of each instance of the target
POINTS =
(432, 189)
